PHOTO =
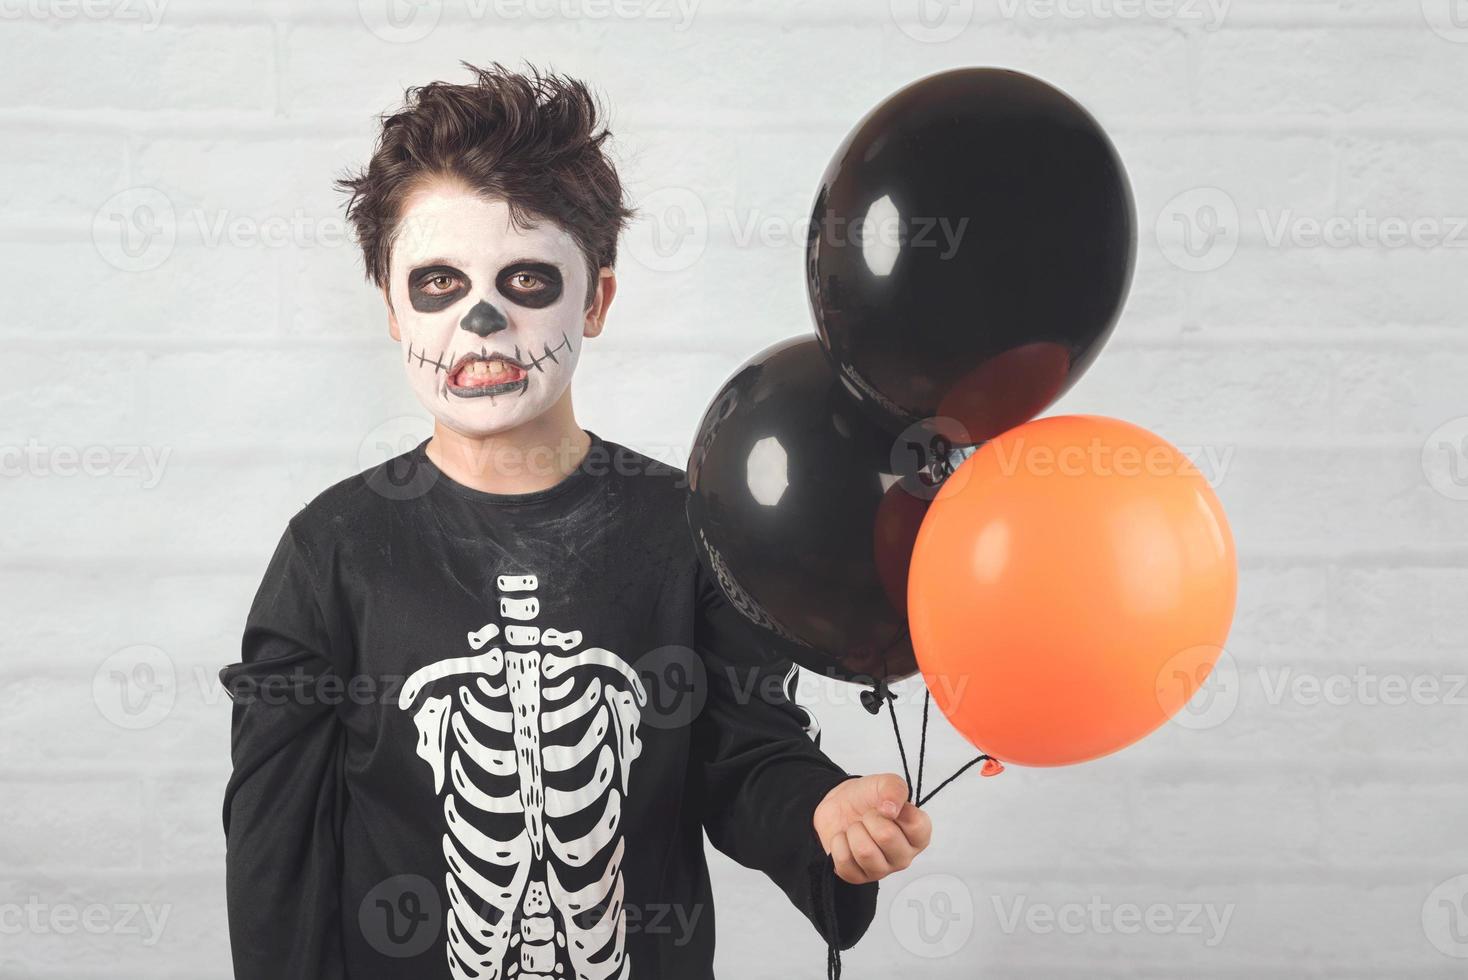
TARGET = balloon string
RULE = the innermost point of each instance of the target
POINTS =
(965, 768)
(915, 795)
(886, 694)
(923, 745)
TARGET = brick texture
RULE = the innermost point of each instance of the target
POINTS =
(191, 354)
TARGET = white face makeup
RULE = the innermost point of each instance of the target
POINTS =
(490, 316)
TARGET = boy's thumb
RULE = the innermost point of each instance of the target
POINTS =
(884, 792)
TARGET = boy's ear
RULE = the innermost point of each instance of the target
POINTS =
(596, 313)
(392, 318)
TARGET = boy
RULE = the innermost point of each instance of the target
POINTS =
(450, 755)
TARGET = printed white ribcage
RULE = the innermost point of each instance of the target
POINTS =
(537, 743)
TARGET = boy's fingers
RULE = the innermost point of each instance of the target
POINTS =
(846, 867)
(916, 826)
(897, 851)
(865, 852)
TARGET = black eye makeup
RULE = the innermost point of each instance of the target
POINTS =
(531, 284)
(436, 287)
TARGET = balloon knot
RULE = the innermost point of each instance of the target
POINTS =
(992, 767)
(872, 700)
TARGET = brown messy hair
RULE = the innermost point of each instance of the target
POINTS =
(534, 139)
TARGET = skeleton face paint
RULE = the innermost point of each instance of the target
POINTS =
(490, 316)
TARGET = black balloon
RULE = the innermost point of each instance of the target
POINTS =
(971, 247)
(806, 517)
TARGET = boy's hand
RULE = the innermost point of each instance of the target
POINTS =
(869, 828)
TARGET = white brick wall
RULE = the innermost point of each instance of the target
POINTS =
(257, 374)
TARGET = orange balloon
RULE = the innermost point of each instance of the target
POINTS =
(1071, 587)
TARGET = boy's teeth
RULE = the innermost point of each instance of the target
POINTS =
(489, 372)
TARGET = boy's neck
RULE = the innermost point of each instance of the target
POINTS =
(530, 457)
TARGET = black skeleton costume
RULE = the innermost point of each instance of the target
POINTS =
(483, 735)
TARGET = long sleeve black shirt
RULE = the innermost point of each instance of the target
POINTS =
(483, 735)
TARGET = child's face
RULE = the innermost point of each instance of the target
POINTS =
(490, 316)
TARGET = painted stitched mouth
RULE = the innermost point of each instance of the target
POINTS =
(477, 375)
(489, 380)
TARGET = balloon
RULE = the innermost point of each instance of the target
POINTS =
(899, 517)
(794, 510)
(971, 246)
(1071, 587)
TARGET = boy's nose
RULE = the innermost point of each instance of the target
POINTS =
(483, 320)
